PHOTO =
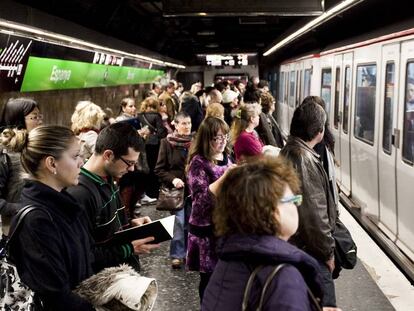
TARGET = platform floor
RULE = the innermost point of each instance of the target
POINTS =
(356, 289)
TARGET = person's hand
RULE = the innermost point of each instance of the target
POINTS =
(331, 309)
(178, 183)
(331, 264)
(142, 246)
(144, 132)
(140, 221)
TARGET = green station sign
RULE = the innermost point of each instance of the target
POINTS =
(44, 74)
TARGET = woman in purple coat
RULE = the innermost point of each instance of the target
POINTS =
(255, 215)
(208, 160)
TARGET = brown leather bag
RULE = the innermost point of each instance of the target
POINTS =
(170, 199)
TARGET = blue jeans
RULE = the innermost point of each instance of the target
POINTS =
(328, 286)
(178, 245)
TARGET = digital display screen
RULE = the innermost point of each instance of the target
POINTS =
(227, 60)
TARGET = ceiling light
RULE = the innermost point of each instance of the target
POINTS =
(339, 8)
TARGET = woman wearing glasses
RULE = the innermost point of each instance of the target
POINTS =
(208, 161)
(19, 116)
(255, 215)
(245, 139)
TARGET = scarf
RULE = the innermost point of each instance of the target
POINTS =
(177, 140)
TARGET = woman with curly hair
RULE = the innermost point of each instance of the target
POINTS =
(86, 123)
(255, 215)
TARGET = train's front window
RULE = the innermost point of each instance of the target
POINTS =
(408, 133)
(364, 121)
(388, 107)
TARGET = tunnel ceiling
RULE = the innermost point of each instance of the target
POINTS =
(175, 28)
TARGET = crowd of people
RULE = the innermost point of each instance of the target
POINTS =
(254, 202)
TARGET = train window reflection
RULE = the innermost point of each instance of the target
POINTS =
(326, 88)
(388, 107)
(408, 134)
(336, 100)
(307, 83)
(281, 87)
(347, 90)
(364, 122)
(292, 89)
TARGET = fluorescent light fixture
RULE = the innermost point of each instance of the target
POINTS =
(44, 35)
(339, 8)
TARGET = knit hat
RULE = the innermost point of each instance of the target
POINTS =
(229, 96)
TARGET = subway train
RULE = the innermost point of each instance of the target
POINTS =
(368, 88)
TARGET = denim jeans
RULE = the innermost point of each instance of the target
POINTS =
(178, 245)
(328, 286)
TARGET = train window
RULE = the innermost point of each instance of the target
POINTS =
(292, 89)
(326, 88)
(336, 99)
(364, 122)
(408, 134)
(347, 90)
(307, 83)
(388, 107)
(281, 87)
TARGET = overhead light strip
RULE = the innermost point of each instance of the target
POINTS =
(74, 41)
(324, 17)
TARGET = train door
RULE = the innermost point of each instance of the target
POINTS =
(405, 156)
(341, 100)
(387, 152)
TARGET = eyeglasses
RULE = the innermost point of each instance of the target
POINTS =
(36, 117)
(218, 138)
(296, 199)
(128, 163)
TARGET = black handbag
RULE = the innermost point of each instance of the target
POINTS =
(152, 138)
(170, 199)
(345, 249)
(14, 294)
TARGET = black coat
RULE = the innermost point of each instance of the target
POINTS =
(52, 254)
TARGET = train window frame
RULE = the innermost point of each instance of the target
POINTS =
(345, 113)
(406, 160)
(392, 103)
(327, 104)
(361, 138)
(337, 90)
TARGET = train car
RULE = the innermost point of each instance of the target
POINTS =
(368, 88)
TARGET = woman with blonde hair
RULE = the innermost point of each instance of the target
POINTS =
(86, 123)
(245, 140)
(215, 110)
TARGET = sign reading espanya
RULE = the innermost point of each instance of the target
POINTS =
(54, 74)
(29, 65)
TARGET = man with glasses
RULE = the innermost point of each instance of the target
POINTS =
(318, 212)
(116, 152)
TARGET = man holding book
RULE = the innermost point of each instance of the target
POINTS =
(116, 152)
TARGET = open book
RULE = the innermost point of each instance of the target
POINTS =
(161, 229)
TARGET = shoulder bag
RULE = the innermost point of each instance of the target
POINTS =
(245, 303)
(14, 294)
(152, 138)
(345, 249)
